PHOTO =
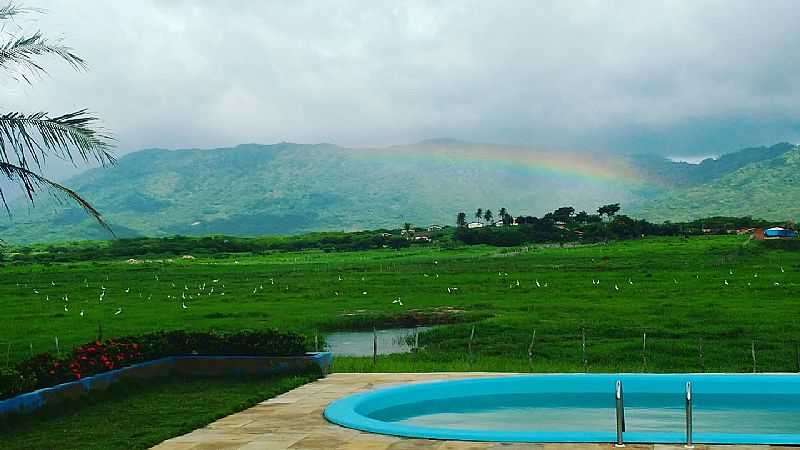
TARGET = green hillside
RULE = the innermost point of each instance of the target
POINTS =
(294, 188)
(291, 188)
(768, 189)
(660, 170)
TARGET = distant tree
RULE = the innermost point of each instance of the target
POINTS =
(461, 219)
(594, 218)
(582, 217)
(563, 214)
(488, 215)
(609, 210)
(407, 228)
(479, 214)
(502, 212)
(28, 139)
(397, 242)
(507, 219)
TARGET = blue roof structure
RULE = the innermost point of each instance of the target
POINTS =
(778, 232)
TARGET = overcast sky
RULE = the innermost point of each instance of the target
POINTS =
(677, 78)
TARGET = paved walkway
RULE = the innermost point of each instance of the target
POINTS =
(293, 421)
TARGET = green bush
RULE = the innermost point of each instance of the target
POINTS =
(45, 370)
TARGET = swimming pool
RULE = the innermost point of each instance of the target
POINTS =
(726, 409)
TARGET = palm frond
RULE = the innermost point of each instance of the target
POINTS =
(27, 140)
(19, 55)
(32, 182)
(12, 9)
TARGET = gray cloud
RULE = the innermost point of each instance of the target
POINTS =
(690, 77)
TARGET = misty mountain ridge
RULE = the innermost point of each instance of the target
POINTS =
(288, 188)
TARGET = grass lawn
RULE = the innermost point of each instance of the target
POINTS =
(704, 303)
(138, 417)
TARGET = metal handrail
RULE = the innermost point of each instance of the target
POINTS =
(620, 406)
(689, 443)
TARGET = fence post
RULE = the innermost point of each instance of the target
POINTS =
(702, 358)
(583, 349)
(753, 353)
(374, 345)
(797, 354)
(531, 347)
(471, 337)
(644, 350)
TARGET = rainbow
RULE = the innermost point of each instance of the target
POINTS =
(584, 165)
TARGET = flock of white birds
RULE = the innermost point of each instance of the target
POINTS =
(214, 286)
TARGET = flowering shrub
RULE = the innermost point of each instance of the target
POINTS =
(96, 357)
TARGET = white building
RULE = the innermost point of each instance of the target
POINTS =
(474, 225)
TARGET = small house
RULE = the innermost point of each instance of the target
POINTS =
(435, 227)
(474, 225)
(774, 233)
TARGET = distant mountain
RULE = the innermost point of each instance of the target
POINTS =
(292, 188)
(660, 170)
(767, 187)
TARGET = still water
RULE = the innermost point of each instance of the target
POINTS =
(359, 343)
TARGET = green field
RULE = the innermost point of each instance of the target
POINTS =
(672, 289)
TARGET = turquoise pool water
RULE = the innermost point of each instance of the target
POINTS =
(756, 409)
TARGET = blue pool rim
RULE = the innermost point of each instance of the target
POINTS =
(350, 411)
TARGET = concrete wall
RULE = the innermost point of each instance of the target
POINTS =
(206, 366)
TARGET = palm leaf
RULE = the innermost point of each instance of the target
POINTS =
(32, 182)
(21, 54)
(12, 9)
(30, 139)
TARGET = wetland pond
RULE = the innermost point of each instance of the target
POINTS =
(359, 343)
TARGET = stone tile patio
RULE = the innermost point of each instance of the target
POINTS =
(293, 421)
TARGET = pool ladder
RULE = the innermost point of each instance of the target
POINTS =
(619, 400)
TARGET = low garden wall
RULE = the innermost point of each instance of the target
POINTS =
(206, 366)
(47, 380)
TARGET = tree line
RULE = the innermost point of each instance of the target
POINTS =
(564, 225)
